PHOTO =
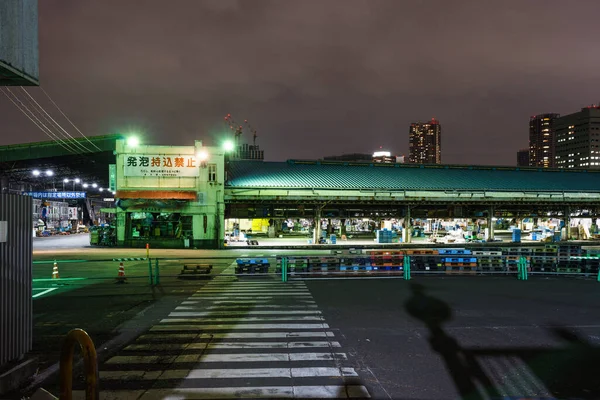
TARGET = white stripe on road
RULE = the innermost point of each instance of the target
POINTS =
(233, 373)
(230, 345)
(238, 335)
(243, 304)
(43, 293)
(186, 317)
(201, 327)
(215, 296)
(243, 313)
(224, 358)
(246, 392)
(250, 292)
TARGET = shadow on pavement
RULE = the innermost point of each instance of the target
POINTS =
(569, 372)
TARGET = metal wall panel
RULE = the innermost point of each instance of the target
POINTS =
(15, 277)
(19, 54)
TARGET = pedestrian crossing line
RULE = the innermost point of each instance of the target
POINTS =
(243, 305)
(231, 373)
(236, 339)
(189, 317)
(221, 358)
(246, 291)
(196, 327)
(243, 312)
(230, 345)
(245, 392)
(210, 296)
(238, 335)
(250, 300)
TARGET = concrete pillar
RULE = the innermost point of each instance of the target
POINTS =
(329, 227)
(407, 226)
(343, 226)
(490, 223)
(567, 219)
(317, 231)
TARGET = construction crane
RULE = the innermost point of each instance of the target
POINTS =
(237, 129)
(252, 130)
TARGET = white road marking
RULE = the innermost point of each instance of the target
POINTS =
(237, 357)
(201, 327)
(229, 345)
(187, 317)
(243, 312)
(243, 305)
(43, 293)
(238, 335)
(246, 392)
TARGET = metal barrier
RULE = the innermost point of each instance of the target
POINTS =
(90, 360)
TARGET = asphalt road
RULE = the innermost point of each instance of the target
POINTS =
(428, 338)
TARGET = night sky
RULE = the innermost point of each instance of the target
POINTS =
(316, 78)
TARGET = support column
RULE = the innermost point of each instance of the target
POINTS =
(329, 227)
(490, 222)
(407, 226)
(567, 219)
(343, 226)
(317, 231)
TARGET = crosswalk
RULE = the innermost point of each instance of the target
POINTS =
(236, 338)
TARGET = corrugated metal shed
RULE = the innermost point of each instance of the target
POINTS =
(15, 277)
(336, 175)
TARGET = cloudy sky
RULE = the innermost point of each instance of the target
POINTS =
(319, 77)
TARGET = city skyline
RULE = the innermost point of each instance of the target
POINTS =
(313, 78)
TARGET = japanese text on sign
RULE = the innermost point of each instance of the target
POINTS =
(56, 195)
(165, 166)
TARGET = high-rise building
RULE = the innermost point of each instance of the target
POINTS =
(523, 158)
(425, 142)
(247, 151)
(541, 140)
(577, 139)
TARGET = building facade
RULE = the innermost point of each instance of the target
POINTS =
(541, 140)
(169, 196)
(523, 158)
(247, 151)
(425, 142)
(578, 139)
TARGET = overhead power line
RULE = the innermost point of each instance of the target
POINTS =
(29, 114)
(66, 135)
(67, 118)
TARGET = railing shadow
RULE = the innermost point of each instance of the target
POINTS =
(568, 372)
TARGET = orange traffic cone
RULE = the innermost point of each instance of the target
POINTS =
(121, 275)
(55, 271)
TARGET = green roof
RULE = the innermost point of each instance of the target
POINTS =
(398, 177)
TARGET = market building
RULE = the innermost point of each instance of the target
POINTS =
(169, 196)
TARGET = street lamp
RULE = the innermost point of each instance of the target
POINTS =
(65, 181)
(85, 185)
(94, 185)
(76, 181)
(133, 141)
(228, 146)
(49, 172)
(35, 172)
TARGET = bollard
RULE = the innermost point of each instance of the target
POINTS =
(522, 269)
(148, 250)
(406, 267)
(156, 273)
(90, 360)
(284, 269)
(150, 271)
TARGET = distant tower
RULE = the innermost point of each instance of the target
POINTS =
(425, 142)
(523, 158)
(541, 140)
